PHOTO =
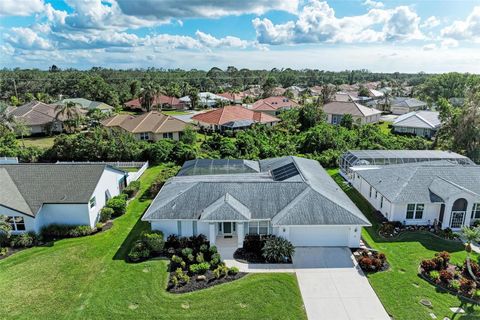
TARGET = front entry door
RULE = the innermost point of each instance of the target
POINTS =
(458, 218)
(227, 228)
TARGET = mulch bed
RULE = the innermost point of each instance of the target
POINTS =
(210, 281)
(244, 256)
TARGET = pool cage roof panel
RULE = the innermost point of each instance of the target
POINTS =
(218, 166)
(382, 157)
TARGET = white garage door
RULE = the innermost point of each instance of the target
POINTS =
(319, 236)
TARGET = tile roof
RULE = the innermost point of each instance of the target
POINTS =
(407, 102)
(349, 107)
(29, 186)
(274, 103)
(153, 121)
(87, 104)
(233, 113)
(308, 197)
(419, 119)
(158, 100)
(36, 113)
(423, 182)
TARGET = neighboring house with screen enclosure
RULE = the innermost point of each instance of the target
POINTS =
(291, 197)
(364, 159)
(33, 196)
(439, 193)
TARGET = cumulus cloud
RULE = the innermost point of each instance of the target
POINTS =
(429, 47)
(431, 22)
(168, 9)
(26, 38)
(317, 23)
(373, 4)
(468, 29)
(20, 7)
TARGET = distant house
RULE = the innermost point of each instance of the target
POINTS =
(150, 126)
(160, 102)
(234, 97)
(37, 195)
(421, 123)
(206, 99)
(88, 104)
(336, 110)
(39, 117)
(232, 118)
(402, 105)
(274, 105)
(345, 96)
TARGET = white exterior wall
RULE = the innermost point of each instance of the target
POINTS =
(29, 221)
(430, 213)
(69, 214)
(400, 110)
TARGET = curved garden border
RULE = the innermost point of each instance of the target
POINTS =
(467, 299)
(417, 231)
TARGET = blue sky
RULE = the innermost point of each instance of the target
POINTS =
(407, 36)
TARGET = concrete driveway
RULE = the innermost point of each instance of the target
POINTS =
(333, 287)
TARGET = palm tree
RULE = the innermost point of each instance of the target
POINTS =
(148, 95)
(386, 101)
(69, 114)
(6, 118)
(470, 235)
(5, 229)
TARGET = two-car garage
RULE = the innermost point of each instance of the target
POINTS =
(324, 236)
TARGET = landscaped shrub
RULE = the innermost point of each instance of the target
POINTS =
(176, 262)
(215, 260)
(3, 251)
(475, 269)
(199, 268)
(154, 241)
(252, 243)
(199, 258)
(182, 276)
(277, 249)
(106, 214)
(428, 265)
(118, 204)
(220, 271)
(365, 263)
(467, 286)
(187, 252)
(65, 231)
(24, 240)
(172, 241)
(445, 276)
(233, 271)
(434, 275)
(139, 252)
(132, 189)
(455, 285)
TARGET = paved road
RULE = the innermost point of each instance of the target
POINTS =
(333, 288)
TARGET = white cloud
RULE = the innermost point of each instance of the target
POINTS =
(430, 23)
(26, 38)
(20, 7)
(465, 30)
(317, 23)
(373, 4)
(168, 9)
(429, 47)
(228, 41)
(449, 43)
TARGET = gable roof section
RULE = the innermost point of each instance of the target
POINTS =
(407, 102)
(153, 121)
(258, 196)
(415, 182)
(419, 119)
(349, 107)
(53, 183)
(158, 100)
(274, 103)
(233, 113)
(35, 113)
(10, 197)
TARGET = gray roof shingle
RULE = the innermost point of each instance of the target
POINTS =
(310, 197)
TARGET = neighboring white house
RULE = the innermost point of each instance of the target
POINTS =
(335, 111)
(36, 195)
(421, 123)
(205, 99)
(429, 193)
(291, 197)
(402, 105)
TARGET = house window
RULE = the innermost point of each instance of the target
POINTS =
(259, 227)
(476, 211)
(93, 202)
(168, 135)
(415, 211)
(220, 226)
(376, 194)
(381, 202)
(107, 196)
(17, 223)
(144, 136)
(336, 118)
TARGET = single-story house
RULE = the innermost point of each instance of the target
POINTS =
(150, 126)
(402, 105)
(335, 111)
(39, 117)
(438, 193)
(160, 101)
(205, 99)
(353, 160)
(291, 197)
(88, 104)
(37, 195)
(232, 118)
(233, 97)
(274, 105)
(421, 123)
(345, 96)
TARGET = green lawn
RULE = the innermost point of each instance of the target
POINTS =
(87, 278)
(41, 142)
(400, 289)
(384, 127)
(176, 113)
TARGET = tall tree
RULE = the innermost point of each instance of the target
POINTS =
(470, 235)
(5, 229)
(148, 95)
(69, 114)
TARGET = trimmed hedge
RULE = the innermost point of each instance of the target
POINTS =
(132, 189)
(65, 231)
(118, 204)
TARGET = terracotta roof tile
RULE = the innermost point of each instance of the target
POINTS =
(274, 103)
(233, 113)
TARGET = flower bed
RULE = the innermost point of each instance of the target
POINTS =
(199, 282)
(371, 261)
(264, 249)
(453, 278)
(392, 229)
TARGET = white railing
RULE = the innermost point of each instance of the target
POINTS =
(133, 176)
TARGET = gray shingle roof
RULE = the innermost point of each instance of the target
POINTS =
(310, 197)
(49, 183)
(423, 182)
(419, 119)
